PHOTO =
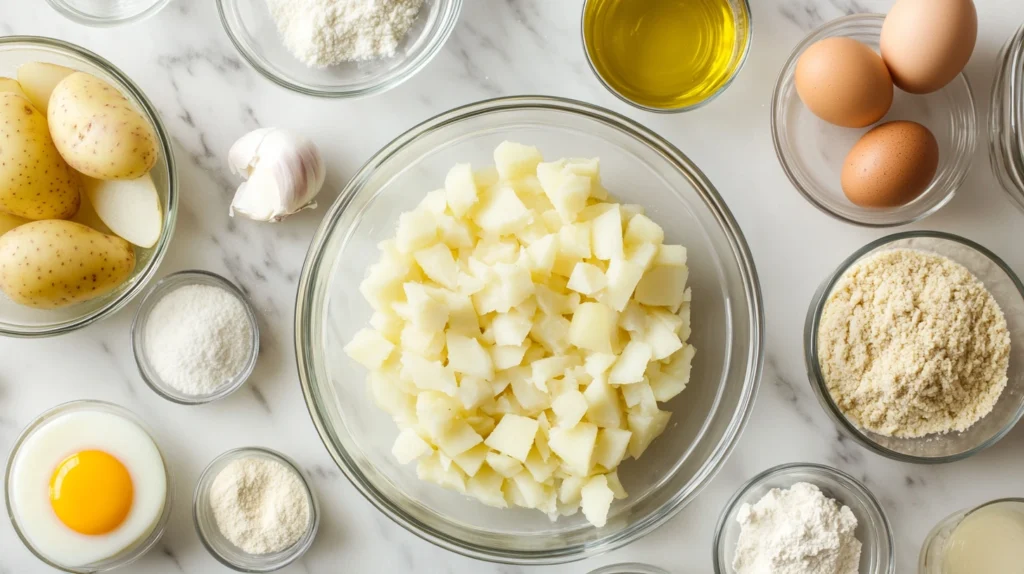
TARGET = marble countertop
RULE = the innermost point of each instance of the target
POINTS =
(209, 96)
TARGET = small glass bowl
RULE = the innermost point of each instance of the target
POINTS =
(157, 292)
(219, 546)
(812, 151)
(629, 568)
(129, 555)
(1006, 139)
(933, 551)
(102, 13)
(873, 530)
(253, 32)
(744, 34)
(1008, 292)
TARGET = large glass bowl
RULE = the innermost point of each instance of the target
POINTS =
(637, 166)
(20, 321)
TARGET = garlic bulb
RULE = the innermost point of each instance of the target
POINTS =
(283, 173)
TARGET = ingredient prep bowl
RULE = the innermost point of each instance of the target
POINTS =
(20, 321)
(637, 167)
(873, 531)
(1008, 292)
(219, 546)
(107, 12)
(253, 32)
(164, 287)
(812, 152)
(1006, 138)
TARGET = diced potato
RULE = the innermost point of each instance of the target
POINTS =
(427, 344)
(532, 491)
(634, 319)
(429, 375)
(569, 408)
(530, 397)
(387, 324)
(504, 465)
(425, 311)
(508, 356)
(416, 230)
(473, 392)
(515, 160)
(674, 378)
(462, 317)
(597, 364)
(663, 340)
(662, 286)
(472, 460)
(623, 277)
(434, 202)
(409, 447)
(593, 328)
(538, 467)
(542, 253)
(596, 500)
(369, 348)
(467, 356)
(458, 438)
(603, 408)
(631, 364)
(575, 446)
(570, 491)
(671, 256)
(642, 230)
(641, 396)
(552, 331)
(501, 212)
(615, 485)
(513, 436)
(645, 428)
(611, 447)
(485, 486)
(642, 255)
(587, 279)
(607, 235)
(543, 370)
(436, 412)
(439, 265)
(460, 189)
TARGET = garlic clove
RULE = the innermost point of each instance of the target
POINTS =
(283, 172)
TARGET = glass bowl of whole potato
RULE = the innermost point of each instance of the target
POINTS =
(638, 168)
(69, 178)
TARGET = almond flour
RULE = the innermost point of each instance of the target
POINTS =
(910, 343)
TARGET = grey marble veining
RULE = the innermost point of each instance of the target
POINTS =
(208, 96)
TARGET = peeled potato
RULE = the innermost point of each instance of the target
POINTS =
(38, 80)
(35, 182)
(9, 85)
(129, 207)
(98, 131)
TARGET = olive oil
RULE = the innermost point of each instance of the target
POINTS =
(666, 54)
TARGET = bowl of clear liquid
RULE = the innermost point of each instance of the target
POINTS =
(987, 538)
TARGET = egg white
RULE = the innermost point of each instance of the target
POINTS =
(41, 453)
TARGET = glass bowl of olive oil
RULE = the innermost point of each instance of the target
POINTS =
(665, 55)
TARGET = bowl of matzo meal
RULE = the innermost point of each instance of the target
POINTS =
(913, 347)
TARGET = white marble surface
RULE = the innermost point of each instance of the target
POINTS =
(208, 96)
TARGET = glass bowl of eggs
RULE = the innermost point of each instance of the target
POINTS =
(87, 488)
(894, 159)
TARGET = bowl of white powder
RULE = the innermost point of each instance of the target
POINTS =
(254, 510)
(339, 48)
(195, 337)
(806, 519)
(914, 347)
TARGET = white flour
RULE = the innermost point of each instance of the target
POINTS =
(797, 531)
(259, 505)
(323, 33)
(198, 338)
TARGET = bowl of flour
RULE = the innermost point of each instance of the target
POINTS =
(338, 48)
(803, 519)
(915, 347)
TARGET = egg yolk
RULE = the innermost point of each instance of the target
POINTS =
(91, 492)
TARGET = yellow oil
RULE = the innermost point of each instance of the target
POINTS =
(665, 53)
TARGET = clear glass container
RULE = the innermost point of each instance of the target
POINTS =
(107, 12)
(21, 321)
(873, 530)
(1008, 292)
(252, 30)
(1006, 114)
(126, 556)
(812, 151)
(629, 568)
(219, 546)
(161, 289)
(936, 544)
(638, 167)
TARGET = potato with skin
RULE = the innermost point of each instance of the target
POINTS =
(55, 263)
(38, 79)
(10, 85)
(98, 131)
(35, 182)
(9, 222)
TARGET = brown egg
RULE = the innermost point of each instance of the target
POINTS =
(891, 165)
(844, 82)
(926, 43)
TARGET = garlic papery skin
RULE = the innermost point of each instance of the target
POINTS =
(283, 172)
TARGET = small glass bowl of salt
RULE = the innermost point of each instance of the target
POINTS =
(254, 510)
(195, 337)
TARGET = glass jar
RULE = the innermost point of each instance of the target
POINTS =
(1005, 116)
(935, 550)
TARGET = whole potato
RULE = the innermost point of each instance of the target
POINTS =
(56, 263)
(35, 182)
(98, 131)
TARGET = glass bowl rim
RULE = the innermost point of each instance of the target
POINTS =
(782, 155)
(69, 406)
(1006, 108)
(788, 469)
(84, 18)
(165, 286)
(817, 380)
(745, 4)
(170, 210)
(629, 568)
(436, 42)
(753, 357)
(205, 481)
